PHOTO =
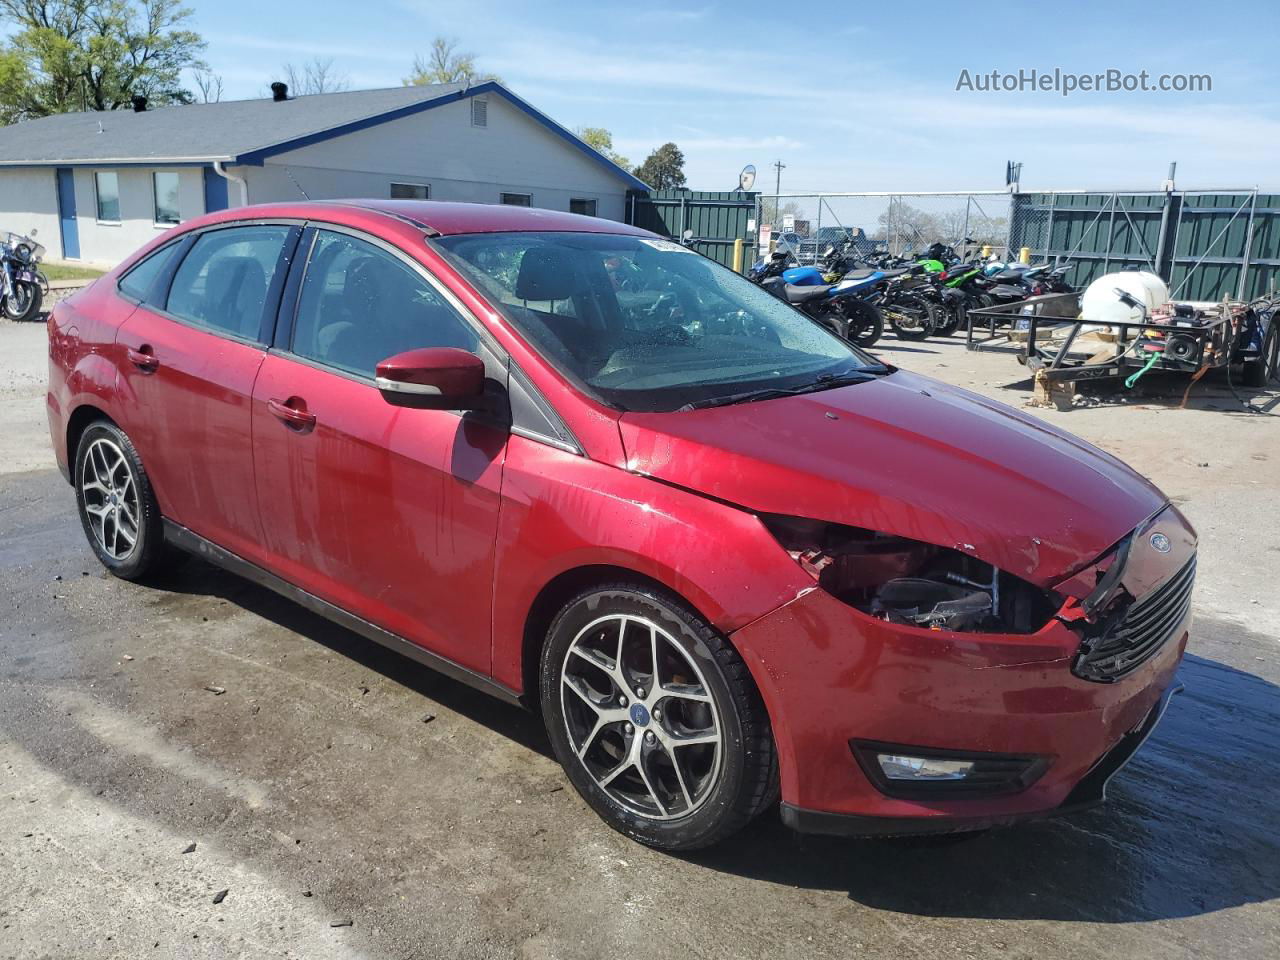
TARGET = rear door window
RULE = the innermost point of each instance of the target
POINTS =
(224, 280)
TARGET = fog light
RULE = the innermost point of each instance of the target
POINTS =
(899, 770)
(898, 767)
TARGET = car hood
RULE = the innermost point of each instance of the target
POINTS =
(909, 456)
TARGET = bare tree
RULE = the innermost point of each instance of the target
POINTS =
(317, 75)
(208, 86)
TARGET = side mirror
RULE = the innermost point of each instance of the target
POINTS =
(433, 378)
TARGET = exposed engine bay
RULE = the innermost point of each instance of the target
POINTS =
(909, 582)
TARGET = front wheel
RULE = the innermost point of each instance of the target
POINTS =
(655, 718)
(24, 302)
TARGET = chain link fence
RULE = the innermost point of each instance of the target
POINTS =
(902, 224)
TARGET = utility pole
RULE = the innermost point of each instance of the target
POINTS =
(778, 167)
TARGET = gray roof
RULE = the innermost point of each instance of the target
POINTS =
(204, 131)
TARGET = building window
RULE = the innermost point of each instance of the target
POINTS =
(516, 199)
(107, 187)
(410, 191)
(586, 208)
(479, 112)
(165, 186)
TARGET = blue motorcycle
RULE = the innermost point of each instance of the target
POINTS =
(840, 307)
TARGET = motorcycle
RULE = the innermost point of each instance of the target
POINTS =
(22, 285)
(837, 306)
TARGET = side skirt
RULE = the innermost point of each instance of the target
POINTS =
(182, 538)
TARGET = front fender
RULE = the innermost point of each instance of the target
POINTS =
(561, 512)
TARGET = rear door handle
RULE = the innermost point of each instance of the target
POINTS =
(143, 358)
(292, 413)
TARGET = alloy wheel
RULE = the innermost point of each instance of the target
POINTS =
(640, 717)
(110, 494)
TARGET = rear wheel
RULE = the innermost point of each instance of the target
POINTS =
(1258, 373)
(117, 506)
(912, 318)
(655, 718)
(866, 325)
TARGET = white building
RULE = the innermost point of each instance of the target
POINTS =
(98, 185)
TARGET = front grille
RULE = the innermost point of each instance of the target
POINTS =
(1147, 625)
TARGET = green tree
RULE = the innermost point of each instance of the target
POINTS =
(94, 54)
(601, 140)
(446, 64)
(663, 168)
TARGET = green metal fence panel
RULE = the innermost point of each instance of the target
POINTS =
(717, 219)
(1205, 245)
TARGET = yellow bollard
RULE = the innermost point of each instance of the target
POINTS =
(985, 252)
(1024, 255)
(737, 255)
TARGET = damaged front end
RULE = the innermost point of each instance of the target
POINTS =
(910, 582)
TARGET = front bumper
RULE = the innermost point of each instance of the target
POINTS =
(830, 674)
(1089, 792)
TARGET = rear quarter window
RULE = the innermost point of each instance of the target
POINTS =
(140, 282)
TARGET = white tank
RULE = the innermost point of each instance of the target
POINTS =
(1099, 304)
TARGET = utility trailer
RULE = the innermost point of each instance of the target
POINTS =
(1062, 347)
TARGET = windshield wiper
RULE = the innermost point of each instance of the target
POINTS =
(826, 381)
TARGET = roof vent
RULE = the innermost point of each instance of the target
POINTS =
(479, 112)
(279, 91)
(139, 104)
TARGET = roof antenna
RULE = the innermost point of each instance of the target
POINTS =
(289, 173)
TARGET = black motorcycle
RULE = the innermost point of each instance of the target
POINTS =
(22, 285)
(845, 313)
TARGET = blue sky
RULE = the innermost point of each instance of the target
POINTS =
(849, 96)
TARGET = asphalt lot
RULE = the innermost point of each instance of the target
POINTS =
(334, 782)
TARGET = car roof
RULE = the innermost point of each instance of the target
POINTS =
(447, 218)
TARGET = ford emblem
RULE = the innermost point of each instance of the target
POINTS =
(1160, 542)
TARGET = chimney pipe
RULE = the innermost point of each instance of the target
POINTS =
(279, 91)
(139, 104)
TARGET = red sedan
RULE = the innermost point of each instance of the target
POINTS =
(726, 555)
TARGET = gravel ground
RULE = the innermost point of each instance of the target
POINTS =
(336, 783)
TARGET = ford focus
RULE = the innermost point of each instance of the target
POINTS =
(729, 559)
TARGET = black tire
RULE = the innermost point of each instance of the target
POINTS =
(950, 323)
(24, 303)
(741, 777)
(103, 440)
(866, 324)
(835, 321)
(920, 309)
(1258, 373)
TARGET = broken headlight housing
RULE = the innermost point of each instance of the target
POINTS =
(910, 582)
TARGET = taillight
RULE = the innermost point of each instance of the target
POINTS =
(942, 275)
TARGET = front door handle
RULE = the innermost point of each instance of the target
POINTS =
(143, 358)
(292, 413)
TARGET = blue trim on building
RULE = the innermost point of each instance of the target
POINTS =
(68, 226)
(215, 191)
(109, 164)
(257, 157)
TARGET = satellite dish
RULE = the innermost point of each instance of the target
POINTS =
(747, 178)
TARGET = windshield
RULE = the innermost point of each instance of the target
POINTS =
(645, 324)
